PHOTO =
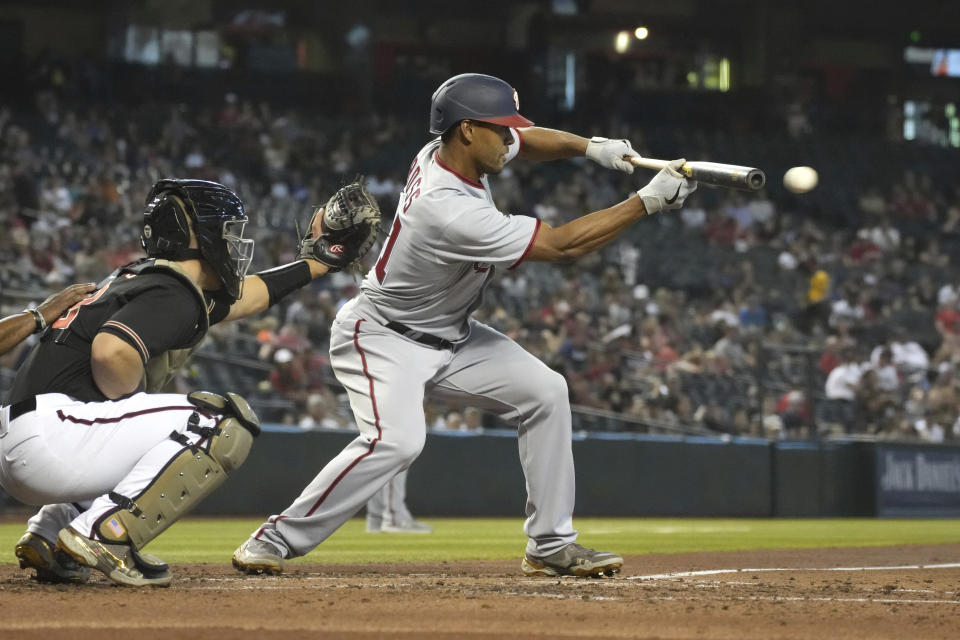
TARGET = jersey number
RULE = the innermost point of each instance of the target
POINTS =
(382, 262)
(67, 319)
(412, 191)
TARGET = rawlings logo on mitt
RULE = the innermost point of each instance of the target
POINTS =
(343, 230)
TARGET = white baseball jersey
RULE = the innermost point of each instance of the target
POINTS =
(446, 239)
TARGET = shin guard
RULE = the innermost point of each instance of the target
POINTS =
(189, 477)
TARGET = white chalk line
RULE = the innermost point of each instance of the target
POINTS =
(714, 572)
(716, 584)
(260, 580)
(699, 598)
(813, 599)
(275, 583)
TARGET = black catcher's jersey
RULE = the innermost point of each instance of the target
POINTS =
(147, 304)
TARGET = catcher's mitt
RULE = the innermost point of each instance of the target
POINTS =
(343, 230)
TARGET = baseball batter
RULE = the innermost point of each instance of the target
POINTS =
(410, 331)
(115, 465)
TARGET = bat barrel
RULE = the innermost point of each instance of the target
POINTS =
(731, 176)
(726, 175)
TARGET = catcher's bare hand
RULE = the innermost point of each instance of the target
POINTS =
(54, 306)
(316, 224)
(344, 229)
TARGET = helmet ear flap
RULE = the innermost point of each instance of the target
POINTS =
(166, 230)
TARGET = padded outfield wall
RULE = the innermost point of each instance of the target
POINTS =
(478, 474)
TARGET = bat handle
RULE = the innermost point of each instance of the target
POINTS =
(656, 165)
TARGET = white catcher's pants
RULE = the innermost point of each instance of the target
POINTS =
(386, 377)
(68, 451)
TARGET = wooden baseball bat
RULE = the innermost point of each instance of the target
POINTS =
(722, 175)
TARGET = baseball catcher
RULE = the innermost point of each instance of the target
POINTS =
(142, 460)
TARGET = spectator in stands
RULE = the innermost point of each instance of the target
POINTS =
(830, 357)
(909, 357)
(752, 316)
(842, 381)
(846, 310)
(794, 412)
(69, 173)
(730, 349)
(841, 388)
(888, 379)
(472, 419)
(817, 310)
(453, 421)
(319, 414)
(874, 405)
(948, 319)
(288, 380)
(265, 330)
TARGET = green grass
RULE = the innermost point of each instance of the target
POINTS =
(196, 540)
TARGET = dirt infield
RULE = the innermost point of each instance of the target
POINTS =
(879, 592)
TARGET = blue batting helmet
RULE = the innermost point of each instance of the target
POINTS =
(475, 96)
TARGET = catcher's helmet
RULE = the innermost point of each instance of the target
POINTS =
(218, 221)
(474, 96)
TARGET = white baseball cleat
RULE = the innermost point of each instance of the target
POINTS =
(257, 556)
(407, 526)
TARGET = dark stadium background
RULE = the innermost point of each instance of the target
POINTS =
(698, 324)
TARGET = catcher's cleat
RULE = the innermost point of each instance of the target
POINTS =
(256, 557)
(573, 560)
(119, 562)
(51, 564)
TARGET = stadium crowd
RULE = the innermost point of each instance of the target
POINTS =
(743, 314)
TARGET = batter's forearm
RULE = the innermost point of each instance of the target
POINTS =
(588, 233)
(15, 329)
(596, 230)
(541, 144)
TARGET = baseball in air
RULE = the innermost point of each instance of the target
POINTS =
(800, 179)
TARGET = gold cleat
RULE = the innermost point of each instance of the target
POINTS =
(573, 560)
(119, 562)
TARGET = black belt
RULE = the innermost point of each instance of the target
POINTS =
(418, 336)
(17, 409)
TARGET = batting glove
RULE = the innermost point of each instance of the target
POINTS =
(609, 153)
(668, 189)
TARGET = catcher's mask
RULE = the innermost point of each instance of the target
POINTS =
(218, 221)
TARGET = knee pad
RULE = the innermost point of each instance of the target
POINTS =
(189, 477)
(230, 404)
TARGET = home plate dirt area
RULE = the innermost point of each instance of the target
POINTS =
(873, 592)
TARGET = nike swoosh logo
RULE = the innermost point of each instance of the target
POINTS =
(674, 198)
